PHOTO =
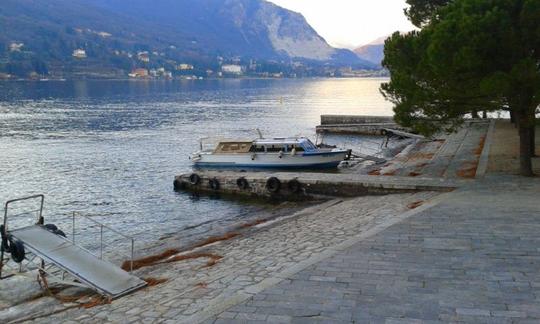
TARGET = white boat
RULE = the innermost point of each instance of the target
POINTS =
(296, 152)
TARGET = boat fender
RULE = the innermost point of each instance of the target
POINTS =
(178, 185)
(253, 157)
(5, 244)
(194, 179)
(294, 185)
(242, 183)
(293, 151)
(273, 184)
(213, 184)
(17, 250)
(280, 154)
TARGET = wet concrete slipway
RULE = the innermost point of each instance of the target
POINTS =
(466, 254)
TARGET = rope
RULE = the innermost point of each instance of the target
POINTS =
(95, 301)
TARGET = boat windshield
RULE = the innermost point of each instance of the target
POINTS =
(308, 145)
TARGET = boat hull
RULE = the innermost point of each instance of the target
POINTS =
(271, 161)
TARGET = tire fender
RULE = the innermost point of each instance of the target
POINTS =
(242, 183)
(213, 184)
(294, 185)
(194, 179)
(273, 184)
(17, 250)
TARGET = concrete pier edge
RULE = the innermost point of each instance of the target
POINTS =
(484, 157)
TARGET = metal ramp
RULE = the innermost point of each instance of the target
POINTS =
(59, 258)
(400, 133)
(96, 273)
(368, 157)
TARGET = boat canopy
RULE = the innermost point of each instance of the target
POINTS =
(233, 147)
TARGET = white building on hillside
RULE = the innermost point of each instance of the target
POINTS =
(16, 47)
(231, 69)
(79, 53)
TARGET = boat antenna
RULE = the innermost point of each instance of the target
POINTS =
(259, 132)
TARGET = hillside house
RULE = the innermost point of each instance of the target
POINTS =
(104, 34)
(232, 69)
(184, 67)
(139, 73)
(79, 53)
(15, 47)
(143, 57)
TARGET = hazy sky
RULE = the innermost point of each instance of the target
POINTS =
(349, 23)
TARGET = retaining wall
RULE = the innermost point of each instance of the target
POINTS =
(311, 184)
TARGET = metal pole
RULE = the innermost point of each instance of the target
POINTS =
(73, 228)
(4, 234)
(101, 242)
(132, 249)
(41, 208)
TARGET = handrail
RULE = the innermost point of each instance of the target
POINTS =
(6, 205)
(25, 213)
(101, 226)
(5, 226)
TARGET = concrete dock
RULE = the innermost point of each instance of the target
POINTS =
(311, 184)
(360, 125)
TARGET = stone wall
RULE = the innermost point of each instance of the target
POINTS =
(355, 119)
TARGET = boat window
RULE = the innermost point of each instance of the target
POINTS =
(274, 148)
(256, 149)
(309, 146)
(233, 147)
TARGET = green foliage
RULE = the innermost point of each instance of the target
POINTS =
(475, 55)
(421, 12)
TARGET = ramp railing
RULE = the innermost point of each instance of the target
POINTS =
(102, 243)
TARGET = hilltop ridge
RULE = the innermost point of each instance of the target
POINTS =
(117, 36)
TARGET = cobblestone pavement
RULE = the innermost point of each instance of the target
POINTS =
(250, 263)
(473, 258)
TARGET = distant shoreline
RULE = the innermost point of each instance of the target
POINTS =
(180, 79)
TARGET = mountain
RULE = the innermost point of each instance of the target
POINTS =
(235, 27)
(372, 52)
(112, 32)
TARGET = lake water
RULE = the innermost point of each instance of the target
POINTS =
(111, 148)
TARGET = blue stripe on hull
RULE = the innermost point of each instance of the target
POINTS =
(325, 165)
(324, 153)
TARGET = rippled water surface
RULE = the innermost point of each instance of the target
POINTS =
(112, 148)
